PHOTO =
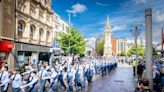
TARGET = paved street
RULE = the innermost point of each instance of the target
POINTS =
(119, 80)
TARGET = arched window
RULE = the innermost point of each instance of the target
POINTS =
(32, 31)
(21, 27)
(47, 35)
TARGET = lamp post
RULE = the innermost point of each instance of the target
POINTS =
(69, 29)
(136, 32)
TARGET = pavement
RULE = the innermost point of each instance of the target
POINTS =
(119, 80)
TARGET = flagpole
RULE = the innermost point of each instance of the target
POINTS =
(162, 39)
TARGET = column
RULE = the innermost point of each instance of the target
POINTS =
(26, 32)
(149, 54)
(37, 11)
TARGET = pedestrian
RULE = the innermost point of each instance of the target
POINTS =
(140, 69)
(33, 84)
(4, 79)
(134, 67)
(143, 86)
(156, 79)
(16, 79)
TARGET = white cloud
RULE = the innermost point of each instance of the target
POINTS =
(118, 27)
(159, 16)
(141, 1)
(77, 8)
(101, 4)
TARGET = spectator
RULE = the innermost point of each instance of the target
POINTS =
(156, 79)
(140, 69)
(143, 86)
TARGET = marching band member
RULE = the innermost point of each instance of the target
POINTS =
(4, 79)
(16, 79)
(33, 84)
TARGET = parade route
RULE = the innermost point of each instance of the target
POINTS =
(119, 80)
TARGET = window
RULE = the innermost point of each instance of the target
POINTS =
(32, 31)
(63, 27)
(47, 35)
(56, 26)
(40, 33)
(32, 10)
(21, 26)
(20, 5)
(40, 15)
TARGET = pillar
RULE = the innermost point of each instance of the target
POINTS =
(149, 54)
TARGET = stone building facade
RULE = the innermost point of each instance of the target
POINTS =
(58, 26)
(7, 29)
(34, 29)
(121, 45)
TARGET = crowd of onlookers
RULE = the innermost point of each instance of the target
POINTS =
(158, 74)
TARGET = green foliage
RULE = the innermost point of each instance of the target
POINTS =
(77, 43)
(154, 51)
(141, 50)
(131, 51)
(123, 53)
(100, 47)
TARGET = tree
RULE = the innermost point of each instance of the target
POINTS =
(141, 50)
(123, 53)
(154, 51)
(100, 47)
(131, 51)
(77, 43)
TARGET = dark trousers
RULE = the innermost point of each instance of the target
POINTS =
(42, 86)
(2, 89)
(61, 81)
(16, 90)
(134, 70)
(70, 86)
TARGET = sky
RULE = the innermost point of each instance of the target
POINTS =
(89, 16)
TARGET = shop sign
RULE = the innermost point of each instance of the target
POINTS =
(6, 46)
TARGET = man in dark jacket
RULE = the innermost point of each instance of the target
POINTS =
(140, 69)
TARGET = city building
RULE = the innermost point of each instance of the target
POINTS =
(121, 45)
(34, 29)
(114, 41)
(7, 29)
(108, 40)
(58, 26)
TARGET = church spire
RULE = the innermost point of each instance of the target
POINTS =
(108, 26)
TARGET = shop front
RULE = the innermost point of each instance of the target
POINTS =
(29, 52)
(5, 49)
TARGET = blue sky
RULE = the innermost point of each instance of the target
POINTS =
(89, 16)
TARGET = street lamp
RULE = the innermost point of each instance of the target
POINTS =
(136, 32)
(69, 29)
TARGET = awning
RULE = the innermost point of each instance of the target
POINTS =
(6, 46)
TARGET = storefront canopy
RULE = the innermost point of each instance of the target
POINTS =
(6, 46)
